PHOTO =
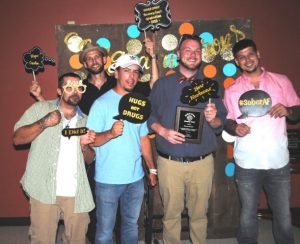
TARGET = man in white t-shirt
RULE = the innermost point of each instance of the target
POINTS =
(55, 177)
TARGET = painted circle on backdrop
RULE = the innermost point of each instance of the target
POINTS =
(230, 169)
(210, 71)
(229, 69)
(169, 42)
(207, 38)
(228, 82)
(170, 61)
(73, 43)
(104, 42)
(186, 28)
(134, 46)
(133, 31)
(169, 72)
(108, 63)
(74, 62)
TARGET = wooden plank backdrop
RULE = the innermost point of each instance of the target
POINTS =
(218, 37)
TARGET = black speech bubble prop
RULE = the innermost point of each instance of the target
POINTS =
(152, 15)
(199, 91)
(34, 60)
(254, 103)
(68, 132)
(134, 108)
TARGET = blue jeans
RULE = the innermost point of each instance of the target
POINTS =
(107, 199)
(277, 185)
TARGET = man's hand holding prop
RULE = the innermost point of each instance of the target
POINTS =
(87, 138)
(253, 103)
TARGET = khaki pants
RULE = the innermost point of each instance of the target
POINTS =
(180, 184)
(45, 217)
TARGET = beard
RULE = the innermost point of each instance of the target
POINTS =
(188, 66)
(72, 100)
(95, 71)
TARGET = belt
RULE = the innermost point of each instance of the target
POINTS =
(182, 159)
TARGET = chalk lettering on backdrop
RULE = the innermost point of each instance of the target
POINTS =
(215, 50)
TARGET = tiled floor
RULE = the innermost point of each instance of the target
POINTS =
(18, 235)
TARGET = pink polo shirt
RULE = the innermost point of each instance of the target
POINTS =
(266, 146)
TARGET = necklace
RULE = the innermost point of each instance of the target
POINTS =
(69, 121)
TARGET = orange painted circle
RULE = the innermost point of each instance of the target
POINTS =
(74, 62)
(169, 72)
(230, 151)
(186, 28)
(108, 63)
(210, 71)
(228, 82)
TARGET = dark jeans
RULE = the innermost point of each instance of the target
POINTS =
(91, 233)
(277, 185)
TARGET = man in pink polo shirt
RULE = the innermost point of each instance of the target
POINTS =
(260, 149)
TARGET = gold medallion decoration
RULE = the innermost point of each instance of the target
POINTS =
(145, 78)
(226, 54)
(74, 42)
(169, 42)
(208, 54)
(224, 45)
(134, 46)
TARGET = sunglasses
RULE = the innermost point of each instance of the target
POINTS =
(71, 86)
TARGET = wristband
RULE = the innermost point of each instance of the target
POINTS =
(41, 124)
(153, 56)
(153, 171)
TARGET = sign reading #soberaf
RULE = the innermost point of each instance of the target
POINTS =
(254, 103)
(152, 15)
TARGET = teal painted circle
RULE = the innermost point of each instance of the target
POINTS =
(133, 31)
(229, 169)
(229, 69)
(171, 60)
(104, 42)
(207, 38)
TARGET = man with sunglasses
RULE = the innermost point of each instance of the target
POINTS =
(55, 178)
(260, 151)
(93, 58)
(185, 169)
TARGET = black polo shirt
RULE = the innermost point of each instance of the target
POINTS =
(92, 92)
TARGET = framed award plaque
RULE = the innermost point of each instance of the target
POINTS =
(189, 121)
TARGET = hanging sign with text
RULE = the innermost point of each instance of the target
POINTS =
(152, 15)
